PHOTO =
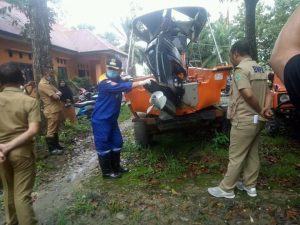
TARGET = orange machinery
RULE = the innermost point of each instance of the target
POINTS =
(180, 95)
(281, 98)
(208, 84)
(284, 112)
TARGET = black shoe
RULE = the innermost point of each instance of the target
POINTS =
(53, 150)
(116, 163)
(57, 145)
(105, 165)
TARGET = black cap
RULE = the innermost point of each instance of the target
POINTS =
(114, 63)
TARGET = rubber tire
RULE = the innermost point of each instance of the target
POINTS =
(272, 128)
(226, 127)
(142, 134)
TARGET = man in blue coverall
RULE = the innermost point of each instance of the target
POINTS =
(107, 136)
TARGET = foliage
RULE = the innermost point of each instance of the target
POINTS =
(82, 82)
(125, 114)
(84, 26)
(24, 6)
(83, 204)
(135, 53)
(111, 38)
(203, 53)
(269, 22)
(220, 141)
(72, 130)
(173, 177)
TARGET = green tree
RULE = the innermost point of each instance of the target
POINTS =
(250, 32)
(269, 22)
(111, 38)
(38, 29)
(135, 52)
(84, 26)
(203, 53)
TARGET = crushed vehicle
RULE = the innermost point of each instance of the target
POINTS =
(285, 116)
(180, 95)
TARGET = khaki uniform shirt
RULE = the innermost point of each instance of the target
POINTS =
(17, 111)
(46, 91)
(248, 74)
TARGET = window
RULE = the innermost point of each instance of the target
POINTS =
(61, 61)
(10, 53)
(81, 73)
(62, 73)
(83, 70)
(20, 55)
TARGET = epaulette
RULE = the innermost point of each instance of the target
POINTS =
(102, 77)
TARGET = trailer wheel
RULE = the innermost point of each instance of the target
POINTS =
(142, 134)
(226, 126)
(272, 128)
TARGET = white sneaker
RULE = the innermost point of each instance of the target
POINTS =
(250, 191)
(219, 193)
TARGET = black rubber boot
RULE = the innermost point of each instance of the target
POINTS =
(51, 143)
(105, 165)
(57, 145)
(116, 163)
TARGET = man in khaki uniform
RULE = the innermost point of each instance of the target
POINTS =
(249, 105)
(52, 110)
(19, 123)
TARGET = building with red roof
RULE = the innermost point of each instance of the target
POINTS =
(75, 53)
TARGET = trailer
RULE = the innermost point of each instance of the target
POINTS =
(180, 96)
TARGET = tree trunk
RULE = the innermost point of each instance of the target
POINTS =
(40, 36)
(250, 26)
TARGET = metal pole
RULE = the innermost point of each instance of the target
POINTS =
(217, 47)
(129, 51)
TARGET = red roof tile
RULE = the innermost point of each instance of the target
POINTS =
(75, 40)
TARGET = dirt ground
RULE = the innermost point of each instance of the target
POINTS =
(166, 185)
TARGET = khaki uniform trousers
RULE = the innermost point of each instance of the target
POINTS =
(53, 121)
(243, 156)
(18, 174)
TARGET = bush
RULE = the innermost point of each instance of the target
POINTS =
(220, 141)
(82, 82)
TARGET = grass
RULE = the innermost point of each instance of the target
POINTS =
(45, 166)
(175, 163)
(125, 114)
(71, 130)
(62, 218)
(1, 203)
(42, 169)
(114, 206)
(84, 204)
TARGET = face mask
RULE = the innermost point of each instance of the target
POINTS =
(112, 74)
(48, 78)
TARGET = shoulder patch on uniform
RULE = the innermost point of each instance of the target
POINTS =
(113, 83)
(237, 77)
